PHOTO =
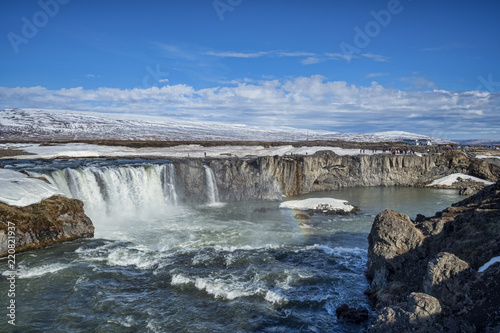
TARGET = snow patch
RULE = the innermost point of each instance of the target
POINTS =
(488, 264)
(453, 178)
(487, 156)
(20, 190)
(326, 205)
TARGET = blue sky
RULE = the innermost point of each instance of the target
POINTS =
(428, 67)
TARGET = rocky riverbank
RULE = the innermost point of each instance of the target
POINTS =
(425, 275)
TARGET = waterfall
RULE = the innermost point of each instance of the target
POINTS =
(167, 173)
(122, 192)
(213, 193)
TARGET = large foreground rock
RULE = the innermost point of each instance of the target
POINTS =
(431, 266)
(53, 220)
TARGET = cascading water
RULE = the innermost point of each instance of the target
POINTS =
(167, 173)
(119, 193)
(212, 191)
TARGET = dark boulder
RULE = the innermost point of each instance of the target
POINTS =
(352, 315)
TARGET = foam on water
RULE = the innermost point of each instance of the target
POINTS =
(274, 298)
(38, 271)
(219, 288)
(128, 257)
(228, 288)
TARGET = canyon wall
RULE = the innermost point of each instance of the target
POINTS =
(275, 177)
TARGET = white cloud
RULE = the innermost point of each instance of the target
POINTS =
(248, 54)
(304, 102)
(419, 82)
(230, 54)
(309, 57)
(311, 61)
(445, 47)
(372, 75)
(376, 57)
(340, 56)
(177, 52)
(295, 54)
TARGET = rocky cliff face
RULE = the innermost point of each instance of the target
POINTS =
(54, 220)
(436, 261)
(272, 177)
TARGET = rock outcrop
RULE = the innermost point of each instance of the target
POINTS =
(53, 220)
(424, 274)
(275, 177)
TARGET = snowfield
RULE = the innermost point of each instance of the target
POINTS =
(19, 190)
(37, 124)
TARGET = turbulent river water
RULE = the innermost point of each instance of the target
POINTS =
(159, 265)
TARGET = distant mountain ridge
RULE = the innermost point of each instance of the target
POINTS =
(42, 124)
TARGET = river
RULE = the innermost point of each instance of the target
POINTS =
(159, 265)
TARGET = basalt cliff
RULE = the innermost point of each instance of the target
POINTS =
(427, 275)
(275, 177)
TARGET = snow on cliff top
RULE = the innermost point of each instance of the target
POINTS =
(16, 189)
(197, 151)
(450, 179)
(486, 156)
(323, 204)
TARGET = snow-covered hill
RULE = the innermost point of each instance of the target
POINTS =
(37, 124)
